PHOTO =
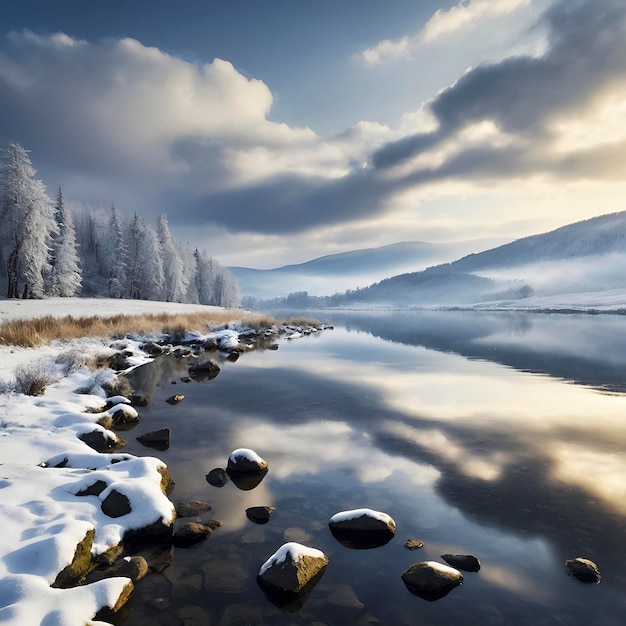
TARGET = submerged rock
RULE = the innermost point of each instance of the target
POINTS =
(362, 528)
(584, 570)
(431, 580)
(191, 508)
(190, 533)
(465, 562)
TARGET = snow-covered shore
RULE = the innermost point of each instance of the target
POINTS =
(44, 466)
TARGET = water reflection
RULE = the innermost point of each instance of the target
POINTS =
(522, 470)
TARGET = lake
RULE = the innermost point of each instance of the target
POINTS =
(501, 435)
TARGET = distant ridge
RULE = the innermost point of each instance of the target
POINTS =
(346, 270)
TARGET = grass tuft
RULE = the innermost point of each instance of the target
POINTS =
(33, 378)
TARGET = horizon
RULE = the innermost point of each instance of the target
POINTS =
(441, 121)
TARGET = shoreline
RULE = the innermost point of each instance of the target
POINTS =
(52, 517)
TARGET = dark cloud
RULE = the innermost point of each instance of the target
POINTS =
(586, 54)
(289, 204)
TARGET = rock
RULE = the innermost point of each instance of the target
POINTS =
(204, 370)
(191, 508)
(167, 484)
(291, 568)
(106, 613)
(246, 468)
(190, 533)
(175, 399)
(93, 490)
(362, 528)
(259, 514)
(465, 562)
(584, 570)
(225, 576)
(117, 362)
(413, 543)
(140, 401)
(236, 614)
(431, 580)
(153, 349)
(80, 565)
(217, 477)
(158, 439)
(124, 415)
(133, 567)
(245, 461)
(116, 504)
(102, 440)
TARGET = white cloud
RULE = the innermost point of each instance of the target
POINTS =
(466, 16)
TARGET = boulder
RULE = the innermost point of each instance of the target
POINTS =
(217, 477)
(246, 468)
(80, 565)
(292, 568)
(116, 504)
(124, 415)
(158, 439)
(204, 370)
(431, 580)
(362, 528)
(133, 567)
(190, 533)
(102, 440)
(245, 461)
(584, 570)
(465, 562)
(259, 514)
(191, 508)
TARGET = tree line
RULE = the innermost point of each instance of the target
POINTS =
(48, 250)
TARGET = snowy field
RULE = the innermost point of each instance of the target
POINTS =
(42, 518)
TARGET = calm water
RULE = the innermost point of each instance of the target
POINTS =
(498, 435)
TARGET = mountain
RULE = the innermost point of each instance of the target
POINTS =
(581, 257)
(347, 270)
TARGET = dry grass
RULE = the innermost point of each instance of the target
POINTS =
(41, 331)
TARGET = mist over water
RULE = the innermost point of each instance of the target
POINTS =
(494, 434)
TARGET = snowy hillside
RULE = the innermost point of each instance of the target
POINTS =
(348, 270)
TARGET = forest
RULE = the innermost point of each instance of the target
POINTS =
(48, 249)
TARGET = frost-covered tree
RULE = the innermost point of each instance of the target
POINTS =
(145, 264)
(26, 225)
(65, 276)
(175, 282)
(215, 284)
(115, 253)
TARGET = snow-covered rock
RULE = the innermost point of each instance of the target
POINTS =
(292, 567)
(362, 528)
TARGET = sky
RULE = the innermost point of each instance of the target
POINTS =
(277, 131)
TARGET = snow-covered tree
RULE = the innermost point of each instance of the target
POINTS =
(65, 276)
(214, 284)
(26, 225)
(145, 264)
(115, 253)
(175, 281)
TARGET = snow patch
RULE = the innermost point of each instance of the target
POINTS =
(344, 516)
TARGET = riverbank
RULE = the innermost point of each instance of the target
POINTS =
(50, 511)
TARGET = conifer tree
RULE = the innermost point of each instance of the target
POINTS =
(65, 278)
(26, 225)
(175, 281)
(115, 253)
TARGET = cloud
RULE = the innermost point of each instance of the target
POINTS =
(530, 101)
(466, 15)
